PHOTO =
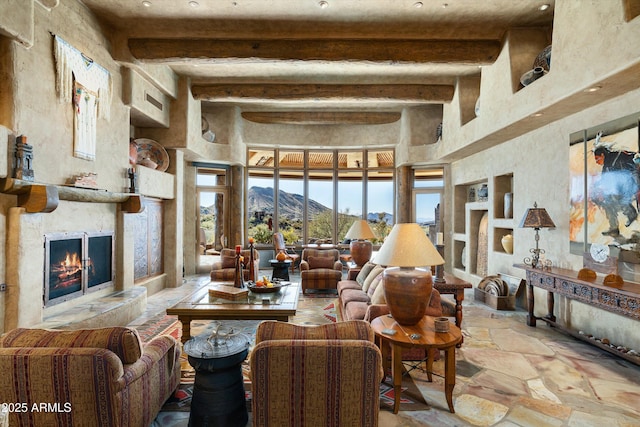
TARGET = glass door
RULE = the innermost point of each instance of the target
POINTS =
(212, 222)
(426, 211)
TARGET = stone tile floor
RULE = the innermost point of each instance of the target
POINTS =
(508, 374)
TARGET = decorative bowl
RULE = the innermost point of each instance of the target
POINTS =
(151, 152)
(265, 289)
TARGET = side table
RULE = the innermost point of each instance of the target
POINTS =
(280, 269)
(421, 335)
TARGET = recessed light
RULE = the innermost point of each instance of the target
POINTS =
(593, 89)
(445, 5)
(544, 7)
(323, 4)
(536, 115)
(194, 4)
(418, 4)
(146, 3)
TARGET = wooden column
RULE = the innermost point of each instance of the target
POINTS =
(236, 207)
(403, 188)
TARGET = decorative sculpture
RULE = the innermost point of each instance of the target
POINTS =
(23, 160)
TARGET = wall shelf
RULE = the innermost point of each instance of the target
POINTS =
(37, 197)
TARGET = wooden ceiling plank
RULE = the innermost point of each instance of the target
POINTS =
(406, 92)
(482, 52)
(321, 117)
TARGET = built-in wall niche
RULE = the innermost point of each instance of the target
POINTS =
(77, 263)
(503, 196)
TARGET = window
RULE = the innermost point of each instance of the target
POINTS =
(428, 187)
(315, 195)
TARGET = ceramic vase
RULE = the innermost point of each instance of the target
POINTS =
(507, 243)
(508, 205)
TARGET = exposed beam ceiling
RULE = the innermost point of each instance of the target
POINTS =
(322, 117)
(479, 52)
(410, 93)
(300, 56)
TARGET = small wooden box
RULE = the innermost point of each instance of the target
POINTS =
(228, 292)
(494, 301)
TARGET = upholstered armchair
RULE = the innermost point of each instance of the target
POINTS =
(302, 359)
(95, 377)
(320, 269)
(279, 246)
(225, 269)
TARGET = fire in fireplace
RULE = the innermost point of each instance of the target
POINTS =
(77, 263)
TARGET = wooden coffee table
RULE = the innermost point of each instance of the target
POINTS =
(199, 305)
(422, 335)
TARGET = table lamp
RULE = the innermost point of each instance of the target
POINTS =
(407, 289)
(361, 248)
(536, 218)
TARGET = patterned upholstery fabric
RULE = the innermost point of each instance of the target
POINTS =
(320, 278)
(124, 342)
(84, 374)
(225, 274)
(299, 378)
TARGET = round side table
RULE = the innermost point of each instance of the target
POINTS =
(280, 269)
(218, 391)
(421, 335)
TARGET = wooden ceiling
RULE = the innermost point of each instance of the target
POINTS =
(320, 61)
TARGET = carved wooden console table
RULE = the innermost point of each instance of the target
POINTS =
(623, 300)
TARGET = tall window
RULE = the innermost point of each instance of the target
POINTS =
(211, 187)
(428, 187)
(315, 195)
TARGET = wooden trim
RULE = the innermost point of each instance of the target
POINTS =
(322, 117)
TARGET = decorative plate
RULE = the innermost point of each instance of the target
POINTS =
(148, 149)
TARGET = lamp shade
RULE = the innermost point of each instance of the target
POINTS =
(536, 218)
(408, 246)
(360, 230)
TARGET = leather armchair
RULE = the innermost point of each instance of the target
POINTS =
(320, 269)
(225, 269)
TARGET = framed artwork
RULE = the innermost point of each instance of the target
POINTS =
(604, 168)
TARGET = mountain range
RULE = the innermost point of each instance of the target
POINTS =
(292, 205)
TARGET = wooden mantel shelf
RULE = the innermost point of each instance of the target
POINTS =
(37, 197)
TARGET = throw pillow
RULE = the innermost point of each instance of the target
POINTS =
(364, 272)
(320, 262)
(372, 275)
(228, 261)
(375, 284)
(378, 295)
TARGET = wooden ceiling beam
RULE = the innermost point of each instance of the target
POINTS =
(322, 117)
(482, 52)
(290, 92)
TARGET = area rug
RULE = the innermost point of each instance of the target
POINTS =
(410, 400)
(160, 325)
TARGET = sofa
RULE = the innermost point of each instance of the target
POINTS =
(320, 269)
(363, 296)
(296, 382)
(225, 269)
(89, 377)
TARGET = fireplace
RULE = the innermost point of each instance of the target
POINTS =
(77, 263)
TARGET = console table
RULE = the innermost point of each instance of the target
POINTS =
(623, 299)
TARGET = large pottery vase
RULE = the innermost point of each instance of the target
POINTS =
(408, 292)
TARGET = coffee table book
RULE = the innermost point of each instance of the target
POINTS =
(227, 292)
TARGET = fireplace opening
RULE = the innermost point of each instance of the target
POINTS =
(77, 263)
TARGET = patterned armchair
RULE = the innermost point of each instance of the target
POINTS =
(301, 358)
(225, 269)
(97, 377)
(320, 269)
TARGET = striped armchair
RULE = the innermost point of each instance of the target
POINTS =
(320, 269)
(91, 377)
(327, 375)
(225, 269)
